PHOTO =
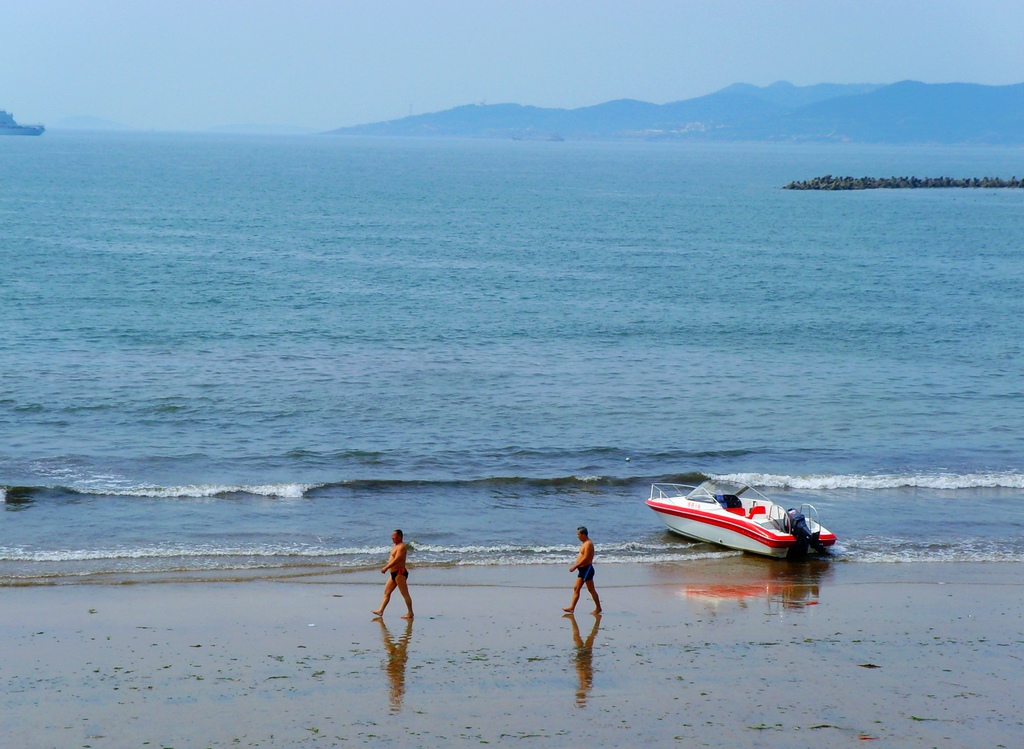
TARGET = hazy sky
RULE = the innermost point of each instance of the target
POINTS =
(194, 64)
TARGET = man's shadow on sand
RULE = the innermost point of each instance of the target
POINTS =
(583, 658)
(397, 651)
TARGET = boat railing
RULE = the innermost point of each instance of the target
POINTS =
(777, 514)
(811, 513)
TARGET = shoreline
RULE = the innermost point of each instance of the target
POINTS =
(721, 563)
(737, 651)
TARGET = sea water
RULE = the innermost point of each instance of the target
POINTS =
(232, 353)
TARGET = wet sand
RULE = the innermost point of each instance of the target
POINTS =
(734, 652)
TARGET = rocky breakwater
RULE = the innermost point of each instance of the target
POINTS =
(828, 182)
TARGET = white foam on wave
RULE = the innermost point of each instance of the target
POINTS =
(894, 550)
(895, 556)
(487, 550)
(18, 554)
(499, 554)
(526, 550)
(201, 491)
(863, 550)
(678, 556)
(948, 481)
(515, 554)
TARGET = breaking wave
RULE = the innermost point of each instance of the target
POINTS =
(14, 494)
(298, 490)
(424, 553)
(824, 482)
(886, 550)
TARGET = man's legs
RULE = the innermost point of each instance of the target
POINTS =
(403, 588)
(575, 595)
(389, 588)
(593, 594)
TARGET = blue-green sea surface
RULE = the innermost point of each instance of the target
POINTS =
(226, 352)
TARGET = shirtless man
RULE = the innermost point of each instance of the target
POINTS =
(399, 575)
(584, 567)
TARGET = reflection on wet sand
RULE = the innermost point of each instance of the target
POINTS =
(397, 651)
(779, 584)
(583, 658)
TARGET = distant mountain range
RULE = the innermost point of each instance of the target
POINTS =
(89, 123)
(262, 129)
(905, 112)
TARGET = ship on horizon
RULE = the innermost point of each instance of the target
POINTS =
(9, 127)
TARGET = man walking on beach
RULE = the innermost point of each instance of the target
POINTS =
(399, 575)
(584, 568)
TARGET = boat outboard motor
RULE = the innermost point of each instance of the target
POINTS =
(802, 533)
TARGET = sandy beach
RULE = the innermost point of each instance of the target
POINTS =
(733, 652)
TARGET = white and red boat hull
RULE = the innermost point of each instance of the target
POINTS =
(743, 529)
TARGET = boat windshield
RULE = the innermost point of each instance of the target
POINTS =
(709, 489)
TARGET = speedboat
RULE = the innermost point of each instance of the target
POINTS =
(739, 517)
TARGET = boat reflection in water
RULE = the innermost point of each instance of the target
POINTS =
(397, 651)
(745, 581)
(583, 658)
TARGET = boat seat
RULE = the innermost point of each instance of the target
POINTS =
(756, 510)
(728, 501)
(735, 510)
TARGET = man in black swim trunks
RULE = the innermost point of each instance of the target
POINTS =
(399, 575)
(584, 568)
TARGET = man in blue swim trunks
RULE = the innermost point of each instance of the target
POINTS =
(584, 569)
(399, 575)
